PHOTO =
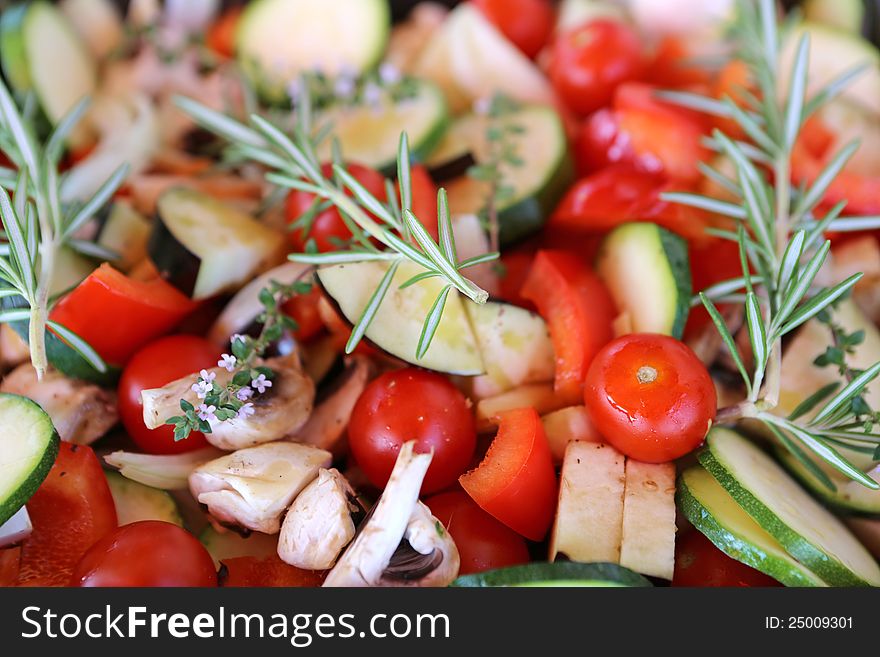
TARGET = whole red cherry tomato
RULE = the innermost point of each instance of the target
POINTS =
(146, 553)
(412, 404)
(588, 62)
(699, 563)
(527, 23)
(157, 364)
(650, 397)
(327, 227)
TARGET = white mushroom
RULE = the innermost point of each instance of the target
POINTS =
(327, 423)
(279, 412)
(400, 544)
(81, 412)
(318, 525)
(253, 487)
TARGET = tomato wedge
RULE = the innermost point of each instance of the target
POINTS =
(618, 194)
(71, 510)
(578, 310)
(118, 315)
(266, 572)
(516, 482)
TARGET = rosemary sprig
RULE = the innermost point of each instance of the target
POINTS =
(782, 245)
(220, 403)
(36, 225)
(294, 164)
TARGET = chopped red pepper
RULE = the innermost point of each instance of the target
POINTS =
(266, 572)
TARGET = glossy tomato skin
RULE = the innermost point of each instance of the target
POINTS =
(424, 199)
(328, 226)
(699, 563)
(157, 364)
(146, 553)
(483, 542)
(588, 62)
(412, 404)
(650, 397)
(303, 308)
(266, 572)
(527, 23)
(71, 510)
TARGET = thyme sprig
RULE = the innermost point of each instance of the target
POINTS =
(781, 236)
(401, 236)
(231, 400)
(36, 225)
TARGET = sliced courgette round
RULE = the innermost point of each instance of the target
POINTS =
(370, 133)
(537, 184)
(712, 510)
(806, 530)
(559, 573)
(276, 40)
(28, 447)
(647, 271)
(398, 322)
(135, 501)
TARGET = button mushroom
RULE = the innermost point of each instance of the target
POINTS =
(401, 543)
(81, 412)
(253, 487)
(278, 412)
(318, 525)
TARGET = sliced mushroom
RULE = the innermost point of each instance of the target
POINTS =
(280, 411)
(327, 423)
(319, 523)
(253, 487)
(81, 412)
(398, 522)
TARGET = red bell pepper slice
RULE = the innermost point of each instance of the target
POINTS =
(71, 510)
(516, 482)
(579, 312)
(266, 572)
(118, 315)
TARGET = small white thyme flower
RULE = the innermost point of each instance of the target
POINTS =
(344, 86)
(236, 336)
(208, 377)
(245, 411)
(202, 388)
(244, 394)
(228, 362)
(389, 73)
(207, 412)
(373, 95)
(261, 383)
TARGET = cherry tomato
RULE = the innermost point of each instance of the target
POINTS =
(221, 35)
(516, 481)
(650, 397)
(588, 62)
(412, 404)
(71, 510)
(579, 312)
(157, 364)
(483, 543)
(674, 66)
(603, 200)
(146, 553)
(266, 572)
(643, 133)
(712, 262)
(328, 227)
(303, 308)
(141, 312)
(527, 23)
(424, 198)
(699, 563)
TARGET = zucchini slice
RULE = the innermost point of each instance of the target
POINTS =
(537, 185)
(647, 271)
(28, 446)
(204, 246)
(712, 510)
(397, 324)
(41, 52)
(370, 134)
(136, 501)
(786, 511)
(515, 345)
(126, 232)
(560, 573)
(648, 539)
(276, 40)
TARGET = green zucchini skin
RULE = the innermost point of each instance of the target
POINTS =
(559, 573)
